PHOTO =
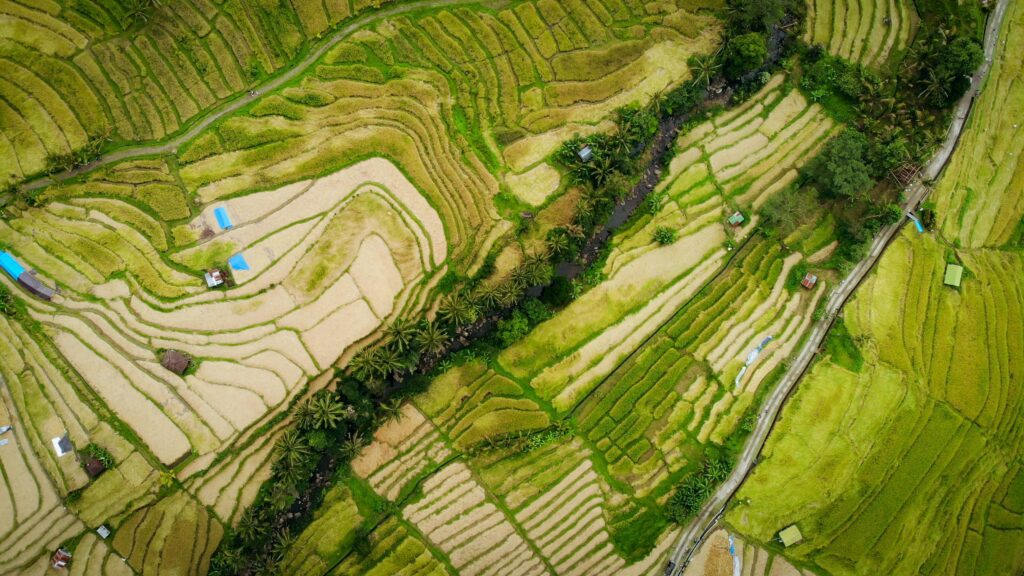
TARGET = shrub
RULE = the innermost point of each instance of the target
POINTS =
(558, 293)
(513, 328)
(744, 54)
(841, 170)
(100, 453)
(7, 302)
(664, 235)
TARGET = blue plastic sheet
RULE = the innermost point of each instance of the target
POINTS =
(222, 217)
(238, 262)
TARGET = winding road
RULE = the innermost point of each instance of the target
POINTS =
(246, 98)
(693, 535)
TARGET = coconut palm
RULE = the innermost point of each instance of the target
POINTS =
(328, 411)
(283, 540)
(391, 410)
(353, 443)
(457, 310)
(936, 87)
(251, 526)
(431, 338)
(304, 415)
(558, 242)
(361, 366)
(389, 361)
(704, 68)
(402, 332)
(292, 448)
(486, 296)
(510, 293)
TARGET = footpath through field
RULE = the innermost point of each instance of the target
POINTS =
(693, 535)
(244, 99)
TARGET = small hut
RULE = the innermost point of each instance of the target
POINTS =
(736, 220)
(954, 274)
(93, 466)
(790, 536)
(214, 277)
(60, 559)
(103, 531)
(176, 361)
(586, 153)
(62, 445)
(809, 281)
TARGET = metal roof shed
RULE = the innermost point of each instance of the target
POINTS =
(954, 274)
(790, 536)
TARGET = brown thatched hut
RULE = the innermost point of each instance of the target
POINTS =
(175, 361)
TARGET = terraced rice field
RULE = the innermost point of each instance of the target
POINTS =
(646, 364)
(70, 73)
(350, 192)
(868, 32)
(864, 456)
(978, 200)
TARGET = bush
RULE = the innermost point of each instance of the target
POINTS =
(558, 293)
(841, 170)
(744, 54)
(100, 453)
(513, 328)
(664, 235)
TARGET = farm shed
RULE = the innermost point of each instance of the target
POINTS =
(586, 153)
(954, 274)
(214, 277)
(175, 361)
(790, 536)
(809, 281)
(736, 219)
(24, 277)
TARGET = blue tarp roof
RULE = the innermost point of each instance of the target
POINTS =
(238, 262)
(10, 265)
(222, 217)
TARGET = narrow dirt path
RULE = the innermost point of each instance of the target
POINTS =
(245, 98)
(693, 535)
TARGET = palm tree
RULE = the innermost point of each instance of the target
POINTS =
(328, 411)
(487, 296)
(511, 292)
(936, 87)
(283, 540)
(389, 361)
(432, 338)
(353, 443)
(402, 332)
(704, 68)
(558, 242)
(251, 526)
(361, 366)
(391, 410)
(292, 448)
(304, 415)
(457, 310)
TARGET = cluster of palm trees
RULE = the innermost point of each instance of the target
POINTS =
(695, 489)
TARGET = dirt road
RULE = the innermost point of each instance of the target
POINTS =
(694, 534)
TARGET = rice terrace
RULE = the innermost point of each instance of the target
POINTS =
(512, 287)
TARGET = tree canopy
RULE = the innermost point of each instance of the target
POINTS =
(841, 170)
(744, 54)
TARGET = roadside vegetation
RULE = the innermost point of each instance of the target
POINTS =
(918, 385)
